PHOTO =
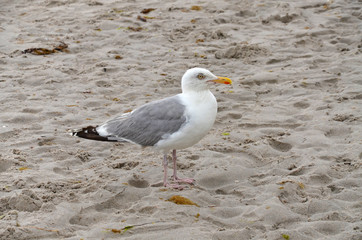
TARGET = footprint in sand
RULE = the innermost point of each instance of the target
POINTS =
(301, 105)
(4, 165)
(138, 183)
(279, 146)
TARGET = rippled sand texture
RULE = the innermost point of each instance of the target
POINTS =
(283, 160)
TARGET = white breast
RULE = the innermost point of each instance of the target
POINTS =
(201, 109)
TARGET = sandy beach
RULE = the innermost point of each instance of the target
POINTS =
(283, 160)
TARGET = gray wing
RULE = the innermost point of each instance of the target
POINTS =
(149, 123)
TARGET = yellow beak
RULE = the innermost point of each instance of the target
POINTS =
(223, 80)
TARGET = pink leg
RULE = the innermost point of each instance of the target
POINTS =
(165, 183)
(175, 178)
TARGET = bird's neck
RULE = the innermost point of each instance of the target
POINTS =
(194, 89)
(198, 96)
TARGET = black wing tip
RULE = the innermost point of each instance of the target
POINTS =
(90, 133)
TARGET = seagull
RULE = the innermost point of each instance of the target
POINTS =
(170, 124)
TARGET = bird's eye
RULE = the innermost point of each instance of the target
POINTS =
(200, 76)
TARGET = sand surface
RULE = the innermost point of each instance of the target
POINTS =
(283, 160)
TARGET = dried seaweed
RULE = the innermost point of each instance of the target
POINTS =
(196, 8)
(181, 200)
(44, 51)
(23, 168)
(300, 184)
(147, 10)
(135, 29)
(141, 18)
(121, 231)
(285, 236)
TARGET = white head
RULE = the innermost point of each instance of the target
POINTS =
(199, 79)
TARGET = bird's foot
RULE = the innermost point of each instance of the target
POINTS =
(184, 180)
